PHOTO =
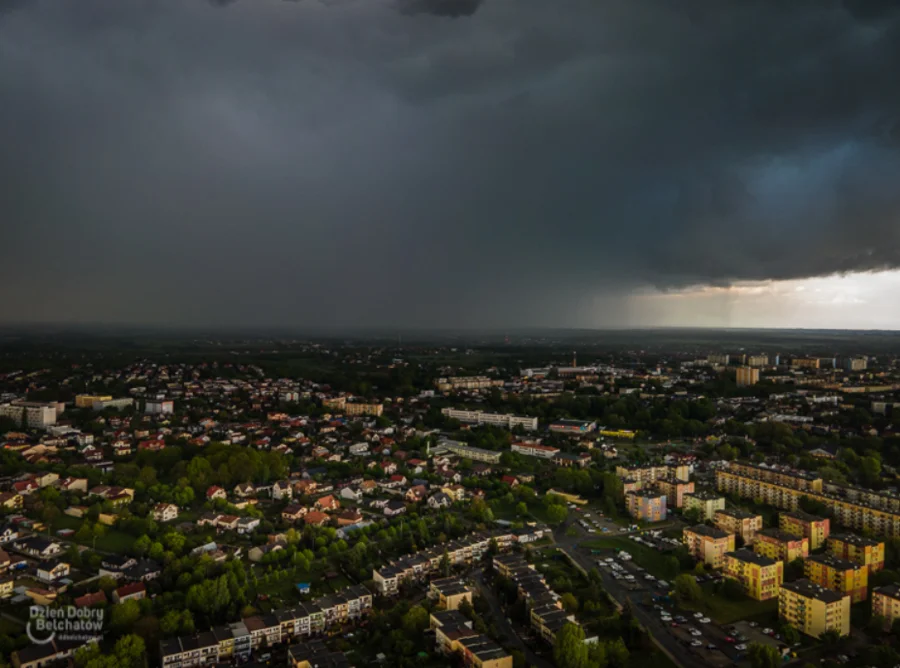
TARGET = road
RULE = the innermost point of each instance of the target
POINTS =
(501, 621)
(661, 634)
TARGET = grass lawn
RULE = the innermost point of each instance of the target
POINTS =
(645, 557)
(729, 610)
(507, 511)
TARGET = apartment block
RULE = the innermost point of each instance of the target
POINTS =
(674, 489)
(813, 609)
(87, 400)
(739, 522)
(647, 475)
(855, 514)
(839, 575)
(497, 419)
(759, 576)
(746, 376)
(449, 593)
(466, 383)
(646, 506)
(886, 603)
(469, 452)
(781, 545)
(799, 523)
(705, 502)
(33, 414)
(708, 544)
(859, 550)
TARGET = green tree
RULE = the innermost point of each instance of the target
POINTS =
(686, 588)
(569, 650)
(763, 656)
(124, 615)
(570, 603)
(557, 514)
(790, 634)
(415, 621)
(617, 653)
(445, 564)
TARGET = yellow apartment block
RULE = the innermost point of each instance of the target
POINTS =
(708, 544)
(781, 545)
(795, 479)
(859, 550)
(760, 576)
(674, 489)
(812, 609)
(799, 523)
(851, 514)
(740, 523)
(886, 602)
(705, 502)
(646, 506)
(839, 575)
(647, 475)
(87, 400)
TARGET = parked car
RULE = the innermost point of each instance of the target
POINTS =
(741, 647)
(711, 646)
(704, 620)
(696, 643)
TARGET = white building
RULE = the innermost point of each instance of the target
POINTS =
(159, 407)
(34, 414)
(496, 419)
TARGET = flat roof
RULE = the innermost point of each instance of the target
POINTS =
(777, 534)
(751, 557)
(834, 562)
(853, 539)
(711, 532)
(811, 590)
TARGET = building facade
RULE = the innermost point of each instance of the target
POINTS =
(739, 522)
(705, 503)
(839, 575)
(780, 545)
(813, 609)
(863, 551)
(646, 506)
(708, 544)
(759, 576)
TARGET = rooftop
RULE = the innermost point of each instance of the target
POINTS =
(751, 557)
(811, 590)
(711, 532)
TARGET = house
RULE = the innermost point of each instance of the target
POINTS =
(11, 501)
(378, 504)
(208, 519)
(38, 547)
(439, 500)
(316, 518)
(92, 599)
(25, 487)
(144, 571)
(216, 492)
(351, 494)
(368, 486)
(247, 525)
(394, 508)
(8, 532)
(282, 490)
(328, 503)
(244, 490)
(165, 512)
(51, 571)
(455, 492)
(73, 484)
(293, 512)
(416, 494)
(7, 585)
(133, 591)
(227, 522)
(349, 517)
(115, 565)
(5, 561)
(509, 480)
(257, 553)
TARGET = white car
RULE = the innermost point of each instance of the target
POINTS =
(696, 633)
(698, 615)
(741, 647)
(697, 643)
(704, 620)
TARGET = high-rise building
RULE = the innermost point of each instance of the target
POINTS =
(839, 575)
(739, 522)
(758, 361)
(813, 609)
(708, 544)
(718, 360)
(746, 375)
(856, 364)
(646, 506)
(33, 414)
(760, 576)
(863, 551)
(799, 523)
(706, 503)
(886, 603)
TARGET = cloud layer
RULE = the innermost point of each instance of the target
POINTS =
(436, 162)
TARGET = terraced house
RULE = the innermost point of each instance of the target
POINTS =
(760, 576)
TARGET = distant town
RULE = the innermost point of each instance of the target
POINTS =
(326, 503)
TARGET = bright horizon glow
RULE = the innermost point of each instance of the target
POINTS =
(850, 301)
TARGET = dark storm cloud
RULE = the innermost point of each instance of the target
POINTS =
(348, 163)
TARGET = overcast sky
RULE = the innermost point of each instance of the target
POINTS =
(450, 162)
